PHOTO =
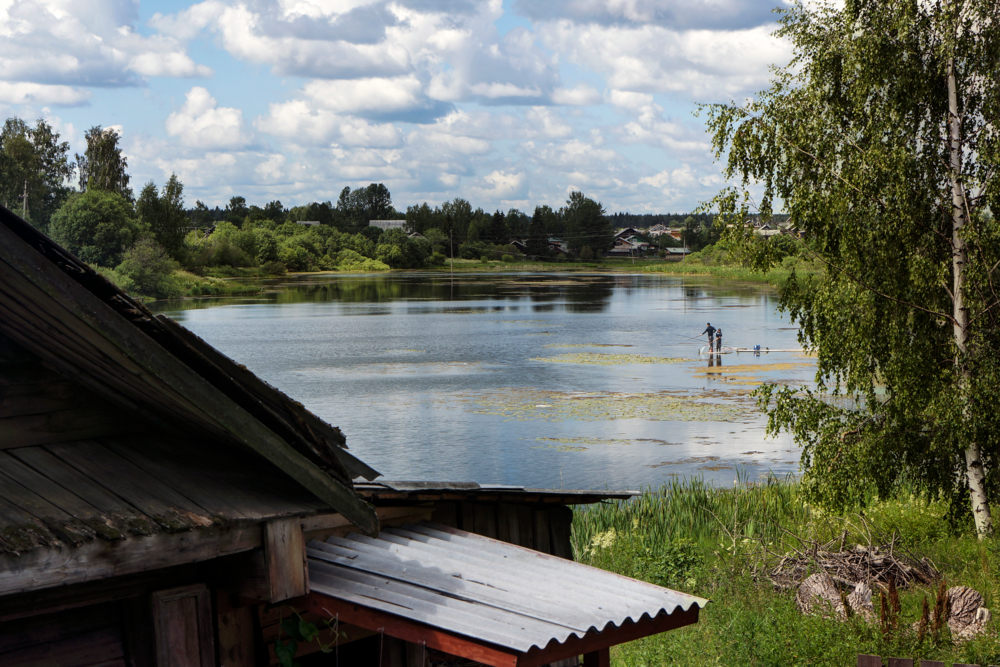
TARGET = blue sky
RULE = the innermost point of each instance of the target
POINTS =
(508, 104)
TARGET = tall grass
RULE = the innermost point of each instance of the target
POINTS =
(695, 510)
(689, 535)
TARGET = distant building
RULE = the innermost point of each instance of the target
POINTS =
(308, 222)
(387, 224)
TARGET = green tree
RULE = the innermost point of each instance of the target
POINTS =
(103, 166)
(97, 226)
(399, 251)
(163, 213)
(35, 163)
(236, 211)
(586, 224)
(147, 270)
(538, 231)
(881, 138)
(497, 231)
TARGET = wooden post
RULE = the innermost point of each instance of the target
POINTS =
(598, 658)
(931, 663)
(869, 661)
(285, 559)
(900, 662)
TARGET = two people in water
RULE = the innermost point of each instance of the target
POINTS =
(714, 335)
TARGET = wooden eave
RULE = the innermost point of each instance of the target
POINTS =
(85, 328)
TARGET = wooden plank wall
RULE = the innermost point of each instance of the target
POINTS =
(544, 528)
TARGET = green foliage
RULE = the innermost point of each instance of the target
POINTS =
(349, 260)
(399, 251)
(103, 166)
(853, 138)
(689, 536)
(163, 214)
(436, 259)
(98, 226)
(507, 259)
(147, 270)
(586, 224)
(33, 159)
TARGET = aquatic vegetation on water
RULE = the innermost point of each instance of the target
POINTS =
(754, 368)
(588, 345)
(556, 406)
(584, 440)
(596, 359)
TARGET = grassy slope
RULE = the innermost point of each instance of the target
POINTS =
(680, 536)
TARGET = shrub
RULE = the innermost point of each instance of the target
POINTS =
(484, 259)
(437, 259)
(295, 257)
(586, 252)
(97, 226)
(349, 260)
(274, 268)
(507, 259)
(147, 270)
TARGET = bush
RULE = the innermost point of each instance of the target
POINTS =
(295, 257)
(484, 259)
(97, 226)
(586, 252)
(274, 268)
(147, 270)
(349, 260)
(507, 259)
(437, 259)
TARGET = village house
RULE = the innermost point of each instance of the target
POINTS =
(162, 506)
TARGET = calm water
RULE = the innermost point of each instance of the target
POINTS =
(518, 378)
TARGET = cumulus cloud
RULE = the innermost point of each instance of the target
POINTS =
(36, 93)
(677, 14)
(85, 44)
(702, 65)
(200, 123)
(580, 95)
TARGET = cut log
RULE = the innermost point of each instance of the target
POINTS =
(819, 595)
(860, 601)
(967, 617)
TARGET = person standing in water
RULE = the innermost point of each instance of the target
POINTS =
(718, 340)
(710, 330)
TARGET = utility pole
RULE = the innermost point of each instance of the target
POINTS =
(24, 200)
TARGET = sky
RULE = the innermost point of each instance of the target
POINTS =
(506, 103)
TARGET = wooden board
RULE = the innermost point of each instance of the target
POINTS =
(182, 619)
(77, 423)
(560, 529)
(65, 512)
(46, 567)
(119, 514)
(172, 511)
(285, 558)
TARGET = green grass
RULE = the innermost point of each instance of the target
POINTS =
(701, 539)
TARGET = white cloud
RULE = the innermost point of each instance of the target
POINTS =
(703, 65)
(366, 95)
(580, 95)
(677, 14)
(94, 43)
(200, 123)
(35, 93)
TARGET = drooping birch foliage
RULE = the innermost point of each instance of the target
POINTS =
(880, 139)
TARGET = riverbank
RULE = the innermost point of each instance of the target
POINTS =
(708, 541)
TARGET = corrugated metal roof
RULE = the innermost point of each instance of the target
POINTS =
(482, 588)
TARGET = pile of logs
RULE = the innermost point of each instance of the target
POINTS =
(872, 565)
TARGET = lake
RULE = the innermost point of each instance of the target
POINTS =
(553, 380)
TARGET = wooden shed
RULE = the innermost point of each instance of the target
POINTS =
(160, 505)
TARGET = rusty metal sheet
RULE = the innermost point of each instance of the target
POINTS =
(481, 588)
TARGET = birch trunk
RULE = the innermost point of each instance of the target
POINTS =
(959, 217)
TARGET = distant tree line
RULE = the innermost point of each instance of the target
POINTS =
(141, 241)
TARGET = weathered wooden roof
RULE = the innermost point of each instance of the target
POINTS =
(130, 485)
(155, 372)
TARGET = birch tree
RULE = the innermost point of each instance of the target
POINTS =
(880, 140)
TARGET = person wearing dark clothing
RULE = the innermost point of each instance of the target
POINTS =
(710, 330)
(718, 340)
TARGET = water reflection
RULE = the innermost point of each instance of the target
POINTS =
(518, 378)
